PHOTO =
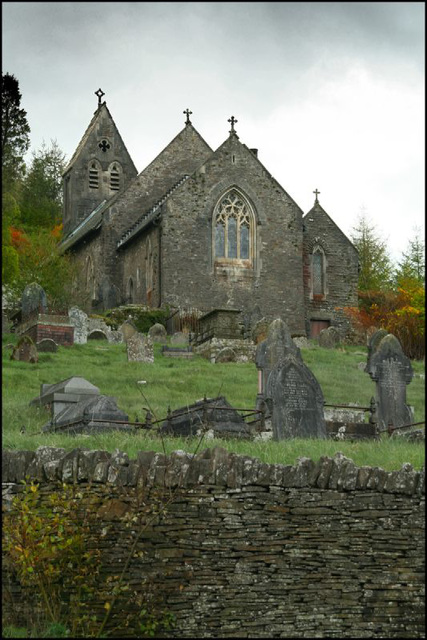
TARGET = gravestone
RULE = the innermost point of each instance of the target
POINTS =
(179, 338)
(373, 343)
(158, 333)
(25, 351)
(227, 354)
(392, 372)
(140, 348)
(79, 319)
(289, 387)
(128, 329)
(329, 338)
(47, 345)
(260, 330)
(33, 300)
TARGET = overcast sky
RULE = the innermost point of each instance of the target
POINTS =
(332, 94)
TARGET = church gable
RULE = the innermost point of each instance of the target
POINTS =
(100, 168)
(162, 176)
(232, 238)
(330, 271)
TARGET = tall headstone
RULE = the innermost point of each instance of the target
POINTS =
(80, 321)
(289, 387)
(392, 372)
(33, 300)
(158, 333)
(140, 348)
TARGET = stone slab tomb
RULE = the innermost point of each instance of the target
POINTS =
(77, 406)
(288, 387)
(213, 414)
(392, 371)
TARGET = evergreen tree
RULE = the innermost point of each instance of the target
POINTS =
(41, 203)
(412, 265)
(15, 131)
(375, 266)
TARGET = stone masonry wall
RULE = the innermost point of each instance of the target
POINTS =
(249, 549)
(341, 271)
(189, 275)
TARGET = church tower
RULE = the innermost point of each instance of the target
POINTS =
(100, 168)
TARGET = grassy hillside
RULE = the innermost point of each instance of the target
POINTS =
(175, 383)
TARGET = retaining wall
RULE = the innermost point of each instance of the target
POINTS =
(249, 549)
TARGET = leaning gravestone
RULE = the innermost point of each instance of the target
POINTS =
(25, 351)
(289, 387)
(140, 348)
(33, 300)
(392, 371)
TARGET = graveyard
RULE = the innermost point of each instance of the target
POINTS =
(166, 383)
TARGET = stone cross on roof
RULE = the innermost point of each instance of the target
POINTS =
(316, 193)
(99, 93)
(232, 120)
(188, 114)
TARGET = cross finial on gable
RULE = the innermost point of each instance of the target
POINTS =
(99, 93)
(232, 120)
(316, 193)
(188, 114)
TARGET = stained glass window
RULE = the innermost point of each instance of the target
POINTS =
(233, 228)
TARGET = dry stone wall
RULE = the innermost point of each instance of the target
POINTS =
(249, 549)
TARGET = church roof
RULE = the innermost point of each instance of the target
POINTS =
(316, 211)
(101, 111)
(179, 159)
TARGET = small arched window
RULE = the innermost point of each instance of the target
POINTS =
(130, 292)
(318, 272)
(93, 175)
(115, 177)
(233, 230)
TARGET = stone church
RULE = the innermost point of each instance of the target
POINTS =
(201, 230)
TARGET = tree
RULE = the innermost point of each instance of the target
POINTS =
(412, 265)
(15, 131)
(375, 267)
(41, 203)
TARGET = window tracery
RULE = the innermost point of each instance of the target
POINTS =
(233, 227)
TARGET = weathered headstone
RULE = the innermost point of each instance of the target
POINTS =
(260, 330)
(79, 319)
(289, 387)
(158, 333)
(47, 345)
(329, 338)
(227, 354)
(128, 329)
(33, 300)
(392, 371)
(140, 348)
(25, 350)
(179, 338)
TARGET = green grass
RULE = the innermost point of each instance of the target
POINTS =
(176, 383)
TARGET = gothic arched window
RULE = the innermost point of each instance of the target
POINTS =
(130, 292)
(318, 272)
(233, 229)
